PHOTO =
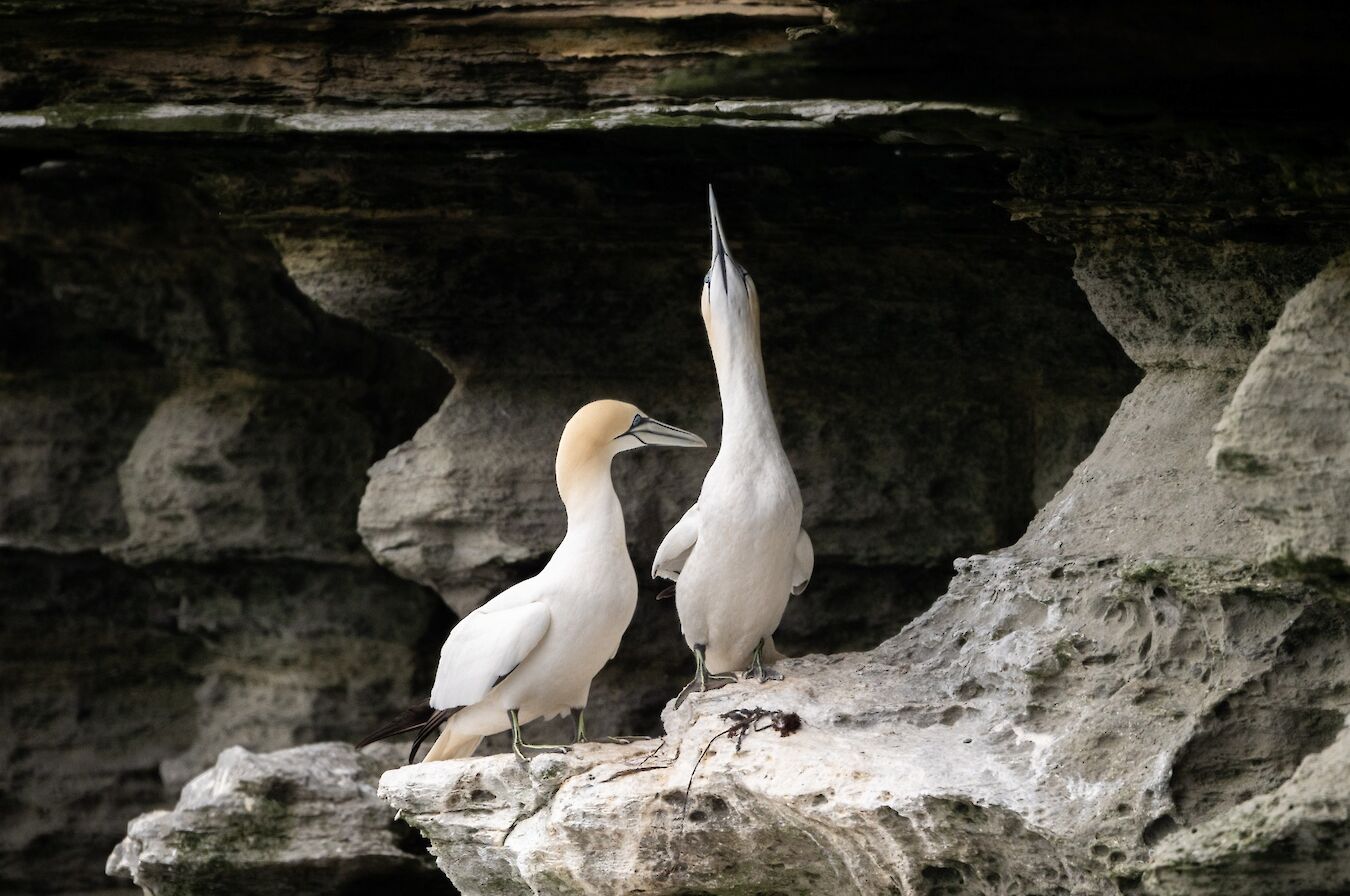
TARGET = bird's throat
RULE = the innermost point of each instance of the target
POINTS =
(587, 491)
(747, 416)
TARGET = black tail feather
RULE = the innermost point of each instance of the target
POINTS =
(411, 719)
(429, 727)
(420, 718)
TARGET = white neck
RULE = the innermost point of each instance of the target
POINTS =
(593, 510)
(747, 417)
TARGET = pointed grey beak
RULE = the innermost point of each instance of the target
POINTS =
(654, 432)
(719, 241)
(720, 251)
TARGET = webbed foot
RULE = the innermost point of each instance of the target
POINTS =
(703, 679)
(706, 683)
(758, 670)
(518, 746)
(518, 749)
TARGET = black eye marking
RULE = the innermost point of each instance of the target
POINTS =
(638, 420)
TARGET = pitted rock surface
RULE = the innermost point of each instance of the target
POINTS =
(1282, 447)
(963, 254)
(304, 820)
(1032, 733)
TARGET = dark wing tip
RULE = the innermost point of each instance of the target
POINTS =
(411, 719)
(429, 727)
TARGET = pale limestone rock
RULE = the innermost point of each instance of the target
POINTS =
(413, 204)
(142, 335)
(1037, 731)
(61, 441)
(1295, 839)
(1143, 490)
(1182, 299)
(233, 465)
(1127, 672)
(303, 820)
(471, 493)
(1282, 447)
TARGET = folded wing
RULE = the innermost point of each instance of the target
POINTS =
(484, 648)
(676, 546)
(804, 563)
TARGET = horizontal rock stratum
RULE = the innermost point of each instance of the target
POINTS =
(230, 518)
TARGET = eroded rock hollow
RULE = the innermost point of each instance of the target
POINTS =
(296, 299)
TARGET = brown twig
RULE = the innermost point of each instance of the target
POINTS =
(642, 765)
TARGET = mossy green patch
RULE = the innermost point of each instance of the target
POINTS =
(1065, 651)
(1147, 572)
(1322, 571)
(264, 829)
(1230, 460)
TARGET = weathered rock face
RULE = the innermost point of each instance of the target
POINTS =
(304, 820)
(517, 188)
(1293, 837)
(1042, 729)
(121, 683)
(1038, 731)
(1129, 699)
(1282, 447)
(182, 454)
(442, 53)
(188, 468)
(966, 396)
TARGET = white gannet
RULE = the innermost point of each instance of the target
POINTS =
(532, 650)
(739, 552)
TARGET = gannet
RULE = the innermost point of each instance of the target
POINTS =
(532, 650)
(740, 551)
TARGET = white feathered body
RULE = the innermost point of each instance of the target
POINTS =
(739, 553)
(536, 646)
(735, 584)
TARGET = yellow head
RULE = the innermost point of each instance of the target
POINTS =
(603, 429)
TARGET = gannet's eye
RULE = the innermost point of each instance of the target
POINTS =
(637, 421)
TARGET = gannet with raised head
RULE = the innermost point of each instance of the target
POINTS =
(532, 650)
(738, 553)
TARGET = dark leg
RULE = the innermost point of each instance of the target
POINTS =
(759, 670)
(703, 679)
(518, 745)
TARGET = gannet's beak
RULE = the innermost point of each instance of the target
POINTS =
(654, 432)
(720, 252)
